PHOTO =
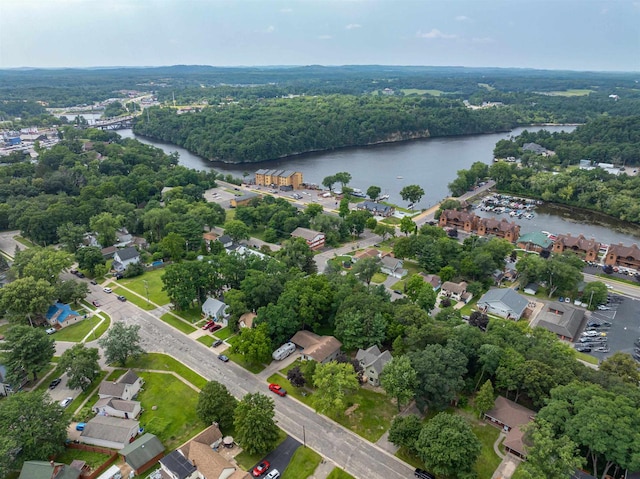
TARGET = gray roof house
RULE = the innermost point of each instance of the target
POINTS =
(124, 257)
(110, 406)
(143, 453)
(392, 266)
(125, 387)
(561, 319)
(377, 209)
(215, 309)
(372, 362)
(504, 302)
(48, 470)
(112, 432)
(226, 241)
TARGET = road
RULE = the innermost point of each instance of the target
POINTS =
(357, 456)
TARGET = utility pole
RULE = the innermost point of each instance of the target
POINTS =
(146, 287)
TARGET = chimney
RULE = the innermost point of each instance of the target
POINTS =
(53, 464)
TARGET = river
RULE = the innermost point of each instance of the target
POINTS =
(431, 163)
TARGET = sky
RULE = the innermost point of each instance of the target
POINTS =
(555, 34)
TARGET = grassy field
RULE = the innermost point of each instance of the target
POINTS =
(339, 474)
(417, 91)
(162, 362)
(379, 278)
(180, 325)
(93, 459)
(192, 315)
(206, 340)
(175, 420)
(302, 465)
(570, 92)
(154, 281)
(486, 85)
(76, 332)
(247, 461)
(586, 357)
(24, 241)
(370, 419)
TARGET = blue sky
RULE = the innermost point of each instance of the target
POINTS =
(554, 34)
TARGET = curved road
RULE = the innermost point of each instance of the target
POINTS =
(356, 455)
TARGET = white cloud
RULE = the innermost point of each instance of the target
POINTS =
(482, 40)
(462, 18)
(435, 33)
(325, 37)
(353, 26)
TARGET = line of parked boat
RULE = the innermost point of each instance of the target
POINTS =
(511, 205)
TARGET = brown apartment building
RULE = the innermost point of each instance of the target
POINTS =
(278, 178)
(578, 244)
(625, 256)
(471, 223)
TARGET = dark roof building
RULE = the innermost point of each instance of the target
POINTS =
(143, 453)
(510, 417)
(47, 470)
(178, 465)
(503, 302)
(561, 319)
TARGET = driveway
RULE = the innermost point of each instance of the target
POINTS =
(347, 450)
(8, 244)
(281, 456)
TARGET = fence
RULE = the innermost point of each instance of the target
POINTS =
(113, 456)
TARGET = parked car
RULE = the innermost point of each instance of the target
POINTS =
(422, 474)
(223, 358)
(80, 274)
(53, 384)
(66, 401)
(273, 474)
(80, 426)
(122, 298)
(107, 290)
(215, 327)
(50, 330)
(602, 307)
(260, 469)
(93, 282)
(279, 390)
(217, 343)
(207, 325)
(119, 275)
(95, 303)
(583, 349)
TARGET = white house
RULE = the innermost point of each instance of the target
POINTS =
(373, 362)
(216, 310)
(117, 407)
(124, 257)
(314, 239)
(111, 432)
(503, 302)
(393, 267)
(125, 387)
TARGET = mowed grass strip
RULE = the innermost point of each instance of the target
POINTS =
(303, 464)
(138, 301)
(174, 421)
(93, 459)
(339, 474)
(153, 281)
(76, 332)
(162, 362)
(177, 323)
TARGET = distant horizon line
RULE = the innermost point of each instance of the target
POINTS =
(117, 67)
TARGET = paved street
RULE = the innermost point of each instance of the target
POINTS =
(349, 451)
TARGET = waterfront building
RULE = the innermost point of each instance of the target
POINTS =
(279, 178)
(578, 244)
(625, 256)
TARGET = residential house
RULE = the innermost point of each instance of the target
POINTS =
(125, 387)
(279, 179)
(108, 252)
(536, 241)
(111, 432)
(48, 470)
(502, 229)
(503, 302)
(246, 320)
(457, 291)
(124, 257)
(392, 266)
(589, 249)
(625, 256)
(315, 239)
(531, 288)
(537, 149)
(462, 220)
(366, 253)
(143, 453)
(243, 200)
(377, 209)
(511, 417)
(433, 279)
(373, 362)
(123, 238)
(561, 319)
(176, 466)
(321, 349)
(216, 310)
(226, 241)
(115, 407)
(202, 452)
(61, 315)
(5, 387)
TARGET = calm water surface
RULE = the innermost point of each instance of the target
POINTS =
(431, 163)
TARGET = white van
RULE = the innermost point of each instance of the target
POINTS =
(112, 473)
(283, 351)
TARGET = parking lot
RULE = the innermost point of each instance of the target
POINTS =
(624, 316)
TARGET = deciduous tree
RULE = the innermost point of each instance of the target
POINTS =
(412, 193)
(622, 365)
(121, 342)
(398, 379)
(216, 404)
(295, 253)
(88, 258)
(373, 192)
(27, 350)
(485, 399)
(256, 431)
(254, 344)
(333, 381)
(366, 268)
(407, 225)
(81, 365)
(26, 297)
(237, 230)
(405, 430)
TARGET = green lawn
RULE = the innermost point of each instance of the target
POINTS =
(174, 421)
(417, 91)
(138, 301)
(587, 358)
(24, 241)
(162, 362)
(488, 461)
(100, 330)
(303, 464)
(180, 325)
(339, 474)
(240, 361)
(93, 459)
(154, 281)
(370, 419)
(192, 315)
(379, 278)
(76, 332)
(569, 92)
(206, 340)
(486, 85)
(224, 333)
(247, 461)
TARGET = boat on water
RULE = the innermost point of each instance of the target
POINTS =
(383, 197)
(399, 177)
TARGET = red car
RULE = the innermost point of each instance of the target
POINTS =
(208, 325)
(276, 388)
(261, 468)
(215, 327)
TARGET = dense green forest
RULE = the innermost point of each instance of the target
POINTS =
(263, 130)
